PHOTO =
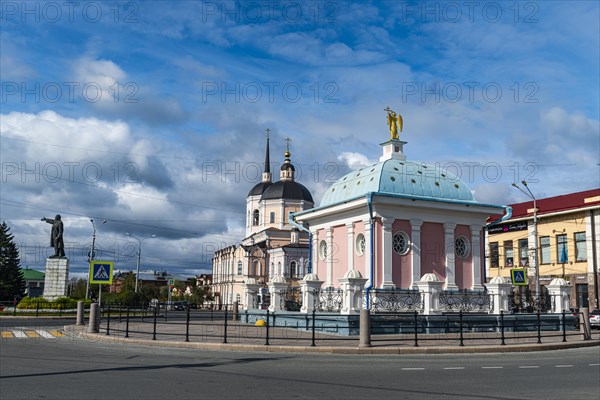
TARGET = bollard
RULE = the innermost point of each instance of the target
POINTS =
(80, 311)
(236, 307)
(584, 326)
(94, 318)
(365, 328)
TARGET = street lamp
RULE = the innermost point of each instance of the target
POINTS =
(91, 257)
(535, 237)
(139, 254)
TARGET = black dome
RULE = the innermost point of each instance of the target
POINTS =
(259, 189)
(287, 190)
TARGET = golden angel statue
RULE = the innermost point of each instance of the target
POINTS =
(394, 122)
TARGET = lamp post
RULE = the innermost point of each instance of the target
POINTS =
(139, 254)
(91, 258)
(535, 238)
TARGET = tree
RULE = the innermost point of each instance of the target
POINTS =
(12, 284)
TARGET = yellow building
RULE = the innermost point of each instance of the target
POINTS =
(568, 243)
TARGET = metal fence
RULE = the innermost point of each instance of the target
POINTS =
(465, 301)
(329, 299)
(313, 329)
(394, 300)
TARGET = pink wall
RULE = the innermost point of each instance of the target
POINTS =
(432, 249)
(361, 263)
(401, 265)
(339, 252)
(462, 266)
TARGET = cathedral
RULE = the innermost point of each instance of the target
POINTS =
(272, 246)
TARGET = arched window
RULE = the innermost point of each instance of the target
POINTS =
(239, 268)
(255, 218)
(293, 269)
(279, 271)
(323, 250)
(255, 268)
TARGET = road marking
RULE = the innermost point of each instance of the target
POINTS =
(413, 369)
(564, 366)
(594, 365)
(492, 367)
(454, 368)
(529, 366)
(24, 333)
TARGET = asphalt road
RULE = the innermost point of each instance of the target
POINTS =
(67, 368)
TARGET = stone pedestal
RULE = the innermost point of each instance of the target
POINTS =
(310, 286)
(500, 291)
(353, 285)
(250, 293)
(277, 286)
(430, 287)
(559, 292)
(57, 276)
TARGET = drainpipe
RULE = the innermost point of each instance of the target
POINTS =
(293, 222)
(371, 246)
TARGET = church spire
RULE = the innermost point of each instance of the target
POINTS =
(287, 169)
(266, 177)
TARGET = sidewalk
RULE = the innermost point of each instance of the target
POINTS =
(243, 337)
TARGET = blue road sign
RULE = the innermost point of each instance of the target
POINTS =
(101, 272)
(518, 276)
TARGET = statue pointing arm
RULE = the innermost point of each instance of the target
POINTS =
(56, 235)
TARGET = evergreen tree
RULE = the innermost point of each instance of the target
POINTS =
(11, 277)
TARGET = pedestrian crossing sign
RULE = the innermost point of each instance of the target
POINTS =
(518, 276)
(101, 272)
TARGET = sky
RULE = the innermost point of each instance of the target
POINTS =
(152, 115)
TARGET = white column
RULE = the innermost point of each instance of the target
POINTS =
(415, 239)
(350, 227)
(315, 254)
(329, 258)
(283, 218)
(476, 257)
(386, 251)
(449, 256)
(368, 251)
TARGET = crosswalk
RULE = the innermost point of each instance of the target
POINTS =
(30, 333)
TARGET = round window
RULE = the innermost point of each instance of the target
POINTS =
(462, 247)
(360, 244)
(400, 243)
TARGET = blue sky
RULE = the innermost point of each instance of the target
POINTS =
(152, 115)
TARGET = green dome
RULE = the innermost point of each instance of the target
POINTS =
(399, 177)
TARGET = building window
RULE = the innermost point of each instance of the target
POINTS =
(293, 269)
(255, 268)
(239, 268)
(545, 250)
(494, 257)
(462, 247)
(562, 252)
(508, 253)
(272, 217)
(360, 244)
(279, 271)
(238, 298)
(400, 243)
(255, 217)
(323, 250)
(580, 247)
(523, 253)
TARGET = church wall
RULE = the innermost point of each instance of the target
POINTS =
(463, 266)
(340, 253)
(433, 249)
(401, 264)
(361, 262)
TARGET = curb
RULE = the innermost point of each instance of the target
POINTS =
(515, 348)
